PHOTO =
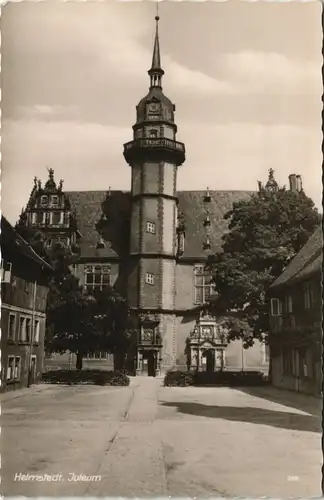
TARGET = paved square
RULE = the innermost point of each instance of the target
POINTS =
(149, 440)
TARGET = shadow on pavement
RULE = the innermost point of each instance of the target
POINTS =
(283, 420)
(302, 402)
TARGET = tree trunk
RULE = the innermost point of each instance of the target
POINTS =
(119, 359)
(270, 370)
(79, 360)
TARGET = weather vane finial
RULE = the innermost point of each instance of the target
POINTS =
(157, 11)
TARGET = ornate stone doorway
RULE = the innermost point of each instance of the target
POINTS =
(149, 346)
(207, 345)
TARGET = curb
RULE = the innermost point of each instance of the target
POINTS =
(20, 393)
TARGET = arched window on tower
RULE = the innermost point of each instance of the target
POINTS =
(153, 133)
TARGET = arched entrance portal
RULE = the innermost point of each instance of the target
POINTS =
(208, 359)
(149, 363)
(149, 346)
(207, 344)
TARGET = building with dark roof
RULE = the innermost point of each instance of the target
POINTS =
(151, 243)
(296, 321)
(24, 288)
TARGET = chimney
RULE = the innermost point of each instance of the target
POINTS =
(293, 183)
(299, 183)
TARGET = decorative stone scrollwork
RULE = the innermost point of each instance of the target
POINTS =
(207, 332)
(149, 318)
(205, 316)
(194, 335)
(147, 334)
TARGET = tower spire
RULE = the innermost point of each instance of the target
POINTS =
(156, 72)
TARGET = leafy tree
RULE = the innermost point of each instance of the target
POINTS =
(114, 324)
(78, 322)
(84, 323)
(70, 319)
(265, 233)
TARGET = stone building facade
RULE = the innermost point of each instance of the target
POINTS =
(24, 288)
(151, 243)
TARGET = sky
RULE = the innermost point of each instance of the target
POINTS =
(245, 78)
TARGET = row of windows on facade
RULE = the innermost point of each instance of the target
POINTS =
(14, 367)
(99, 276)
(24, 329)
(52, 201)
(50, 218)
(103, 355)
(297, 362)
(278, 307)
(203, 285)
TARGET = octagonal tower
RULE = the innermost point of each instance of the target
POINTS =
(154, 156)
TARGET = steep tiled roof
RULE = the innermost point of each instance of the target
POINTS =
(194, 209)
(99, 213)
(307, 262)
(10, 239)
(91, 205)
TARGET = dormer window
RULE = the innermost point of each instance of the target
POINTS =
(101, 243)
(207, 219)
(207, 196)
(44, 201)
(207, 245)
(181, 243)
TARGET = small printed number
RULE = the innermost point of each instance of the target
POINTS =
(293, 478)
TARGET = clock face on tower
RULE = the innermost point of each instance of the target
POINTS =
(153, 110)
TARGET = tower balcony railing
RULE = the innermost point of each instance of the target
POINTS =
(155, 142)
(155, 145)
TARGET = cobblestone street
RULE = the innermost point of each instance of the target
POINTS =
(147, 440)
